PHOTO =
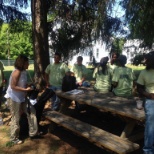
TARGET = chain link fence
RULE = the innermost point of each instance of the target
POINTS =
(11, 62)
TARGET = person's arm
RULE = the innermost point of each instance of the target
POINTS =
(95, 72)
(14, 82)
(46, 76)
(141, 86)
(85, 71)
(143, 93)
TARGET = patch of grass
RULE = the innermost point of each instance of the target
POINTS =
(4, 136)
(139, 68)
(9, 144)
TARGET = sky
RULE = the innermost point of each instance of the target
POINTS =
(117, 10)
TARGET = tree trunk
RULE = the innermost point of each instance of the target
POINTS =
(40, 37)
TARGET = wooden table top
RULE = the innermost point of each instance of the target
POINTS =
(125, 107)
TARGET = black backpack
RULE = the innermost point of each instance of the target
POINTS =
(68, 83)
(39, 106)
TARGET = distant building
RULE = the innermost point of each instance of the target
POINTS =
(97, 50)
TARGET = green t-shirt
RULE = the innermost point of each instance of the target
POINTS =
(113, 67)
(79, 71)
(1, 73)
(56, 73)
(124, 77)
(146, 78)
(103, 81)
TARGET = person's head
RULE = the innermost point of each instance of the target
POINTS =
(57, 57)
(21, 63)
(102, 65)
(114, 57)
(122, 60)
(104, 61)
(149, 60)
(79, 60)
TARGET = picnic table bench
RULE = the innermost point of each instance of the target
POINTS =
(123, 107)
(99, 137)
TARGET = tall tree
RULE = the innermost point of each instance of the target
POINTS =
(40, 36)
(13, 43)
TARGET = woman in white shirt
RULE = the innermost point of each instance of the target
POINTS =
(16, 93)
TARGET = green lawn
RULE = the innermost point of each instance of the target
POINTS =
(9, 69)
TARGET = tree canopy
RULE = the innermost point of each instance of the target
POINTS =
(14, 43)
(80, 23)
(139, 16)
(11, 10)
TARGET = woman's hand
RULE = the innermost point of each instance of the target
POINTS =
(29, 89)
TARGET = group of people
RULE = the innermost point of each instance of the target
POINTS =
(18, 88)
(115, 77)
(120, 80)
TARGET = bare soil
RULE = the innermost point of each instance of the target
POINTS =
(60, 141)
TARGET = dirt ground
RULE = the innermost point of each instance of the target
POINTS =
(60, 141)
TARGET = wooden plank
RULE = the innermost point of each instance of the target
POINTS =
(95, 135)
(107, 102)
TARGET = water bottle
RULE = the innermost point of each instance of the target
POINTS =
(1, 121)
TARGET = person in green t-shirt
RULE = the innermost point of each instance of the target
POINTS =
(80, 72)
(123, 78)
(54, 74)
(145, 87)
(103, 75)
(113, 62)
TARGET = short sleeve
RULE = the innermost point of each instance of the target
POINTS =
(140, 79)
(47, 70)
(95, 72)
(73, 68)
(65, 67)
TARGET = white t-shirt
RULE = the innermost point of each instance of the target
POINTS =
(17, 96)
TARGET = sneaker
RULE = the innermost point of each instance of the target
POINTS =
(40, 133)
(17, 141)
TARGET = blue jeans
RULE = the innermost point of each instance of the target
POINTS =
(55, 99)
(85, 84)
(149, 127)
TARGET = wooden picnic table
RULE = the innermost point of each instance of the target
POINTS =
(119, 106)
(125, 108)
